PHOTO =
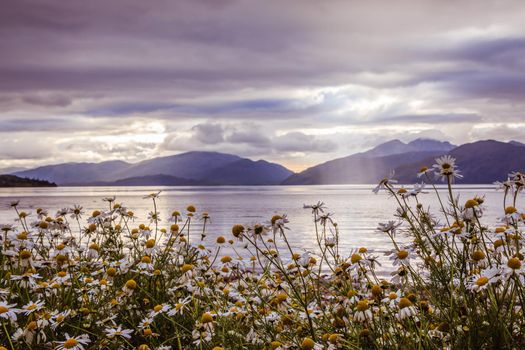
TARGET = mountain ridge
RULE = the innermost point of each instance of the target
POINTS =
(476, 160)
(197, 167)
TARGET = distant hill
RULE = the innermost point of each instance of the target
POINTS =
(419, 145)
(195, 167)
(248, 172)
(354, 169)
(480, 162)
(148, 180)
(66, 173)
(15, 181)
(517, 143)
(369, 166)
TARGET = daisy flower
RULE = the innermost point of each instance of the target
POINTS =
(118, 332)
(31, 307)
(386, 182)
(406, 309)
(73, 343)
(424, 170)
(152, 195)
(180, 307)
(8, 311)
(363, 313)
(445, 167)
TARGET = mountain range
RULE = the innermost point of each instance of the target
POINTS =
(191, 168)
(480, 162)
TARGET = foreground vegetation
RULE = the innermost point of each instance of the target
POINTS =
(98, 281)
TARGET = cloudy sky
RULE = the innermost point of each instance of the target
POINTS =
(296, 82)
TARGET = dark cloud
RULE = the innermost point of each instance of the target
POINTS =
(48, 100)
(435, 118)
(209, 133)
(253, 136)
(300, 142)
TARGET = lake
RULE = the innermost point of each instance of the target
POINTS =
(355, 208)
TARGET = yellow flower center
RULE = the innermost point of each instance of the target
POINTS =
(471, 203)
(478, 255)
(276, 218)
(25, 254)
(307, 344)
(150, 243)
(404, 302)
(70, 343)
(362, 305)
(3, 310)
(514, 263)
(402, 254)
(131, 284)
(482, 281)
(275, 344)
(22, 235)
(206, 318)
(355, 258)
(237, 230)
(376, 290)
(186, 267)
(510, 210)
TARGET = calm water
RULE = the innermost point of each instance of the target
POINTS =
(355, 208)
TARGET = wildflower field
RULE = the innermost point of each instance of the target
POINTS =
(77, 280)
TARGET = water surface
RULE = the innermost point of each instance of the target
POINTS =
(355, 208)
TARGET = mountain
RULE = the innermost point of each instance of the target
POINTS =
(260, 172)
(369, 166)
(15, 181)
(75, 172)
(354, 169)
(480, 162)
(148, 180)
(419, 145)
(517, 143)
(190, 167)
